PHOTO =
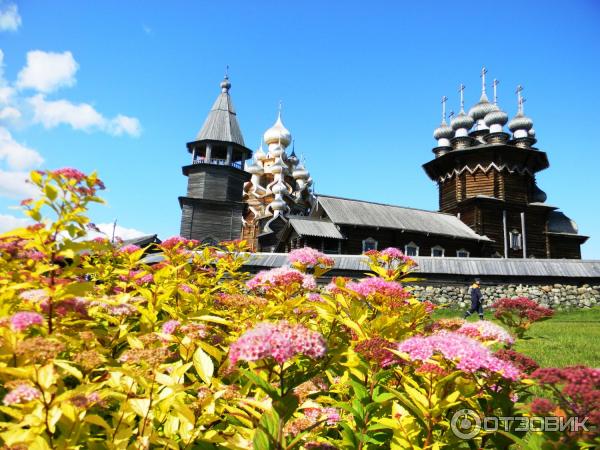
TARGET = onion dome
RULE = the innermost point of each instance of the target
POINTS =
(538, 196)
(293, 159)
(531, 133)
(278, 205)
(520, 122)
(443, 132)
(259, 154)
(462, 121)
(495, 120)
(278, 167)
(482, 108)
(276, 150)
(300, 173)
(254, 169)
(279, 188)
(558, 222)
(278, 133)
(225, 84)
(520, 125)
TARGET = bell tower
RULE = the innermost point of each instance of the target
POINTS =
(212, 209)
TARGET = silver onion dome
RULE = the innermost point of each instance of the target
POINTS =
(278, 133)
(278, 167)
(443, 132)
(225, 84)
(254, 169)
(462, 120)
(520, 122)
(481, 108)
(496, 117)
(300, 172)
(278, 205)
(259, 155)
(531, 133)
(279, 188)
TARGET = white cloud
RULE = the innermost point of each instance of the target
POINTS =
(15, 185)
(47, 71)
(82, 116)
(17, 156)
(125, 125)
(120, 232)
(8, 222)
(10, 20)
(9, 113)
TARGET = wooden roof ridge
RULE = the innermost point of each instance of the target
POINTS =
(384, 204)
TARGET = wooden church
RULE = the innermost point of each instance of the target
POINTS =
(489, 202)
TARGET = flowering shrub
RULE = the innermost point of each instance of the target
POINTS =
(100, 350)
(519, 313)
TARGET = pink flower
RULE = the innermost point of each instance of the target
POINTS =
(170, 326)
(393, 252)
(468, 354)
(330, 415)
(484, 330)
(280, 341)
(129, 249)
(185, 288)
(34, 295)
(178, 241)
(22, 320)
(68, 172)
(23, 393)
(314, 297)
(309, 257)
(373, 285)
(280, 277)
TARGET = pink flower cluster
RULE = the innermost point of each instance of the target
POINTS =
(280, 341)
(330, 415)
(373, 285)
(170, 326)
(21, 321)
(484, 330)
(129, 249)
(310, 257)
(178, 241)
(468, 354)
(23, 393)
(70, 173)
(281, 277)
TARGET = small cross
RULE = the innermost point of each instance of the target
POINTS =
(227, 72)
(451, 115)
(519, 97)
(483, 72)
(461, 89)
(495, 83)
(444, 100)
(279, 108)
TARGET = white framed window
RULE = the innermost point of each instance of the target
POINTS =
(462, 253)
(411, 249)
(515, 240)
(438, 251)
(369, 244)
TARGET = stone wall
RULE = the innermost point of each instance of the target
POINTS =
(556, 296)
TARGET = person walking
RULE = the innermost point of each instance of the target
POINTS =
(476, 299)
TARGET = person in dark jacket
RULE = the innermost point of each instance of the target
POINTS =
(476, 300)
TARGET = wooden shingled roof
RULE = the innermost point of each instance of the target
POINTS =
(221, 124)
(343, 211)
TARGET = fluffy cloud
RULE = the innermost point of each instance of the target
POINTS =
(17, 156)
(9, 113)
(10, 20)
(13, 184)
(47, 71)
(8, 222)
(51, 113)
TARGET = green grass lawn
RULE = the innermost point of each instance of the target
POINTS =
(568, 338)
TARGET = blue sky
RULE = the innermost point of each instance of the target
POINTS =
(120, 87)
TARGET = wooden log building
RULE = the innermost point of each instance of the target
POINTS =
(489, 202)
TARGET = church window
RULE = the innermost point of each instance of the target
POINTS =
(462, 253)
(369, 244)
(515, 240)
(331, 246)
(438, 251)
(411, 249)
